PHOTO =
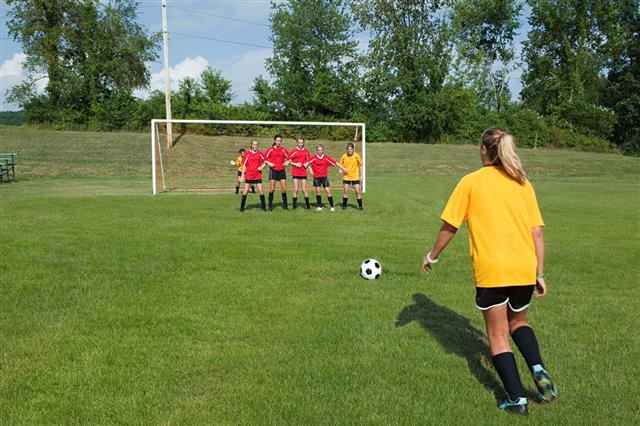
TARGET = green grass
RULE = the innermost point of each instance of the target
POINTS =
(120, 307)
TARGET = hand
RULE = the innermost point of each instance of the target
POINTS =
(260, 168)
(541, 287)
(426, 265)
(242, 179)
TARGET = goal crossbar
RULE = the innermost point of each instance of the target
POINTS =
(155, 136)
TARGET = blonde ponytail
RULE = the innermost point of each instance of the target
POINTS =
(501, 151)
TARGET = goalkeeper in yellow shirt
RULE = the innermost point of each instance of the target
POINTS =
(352, 163)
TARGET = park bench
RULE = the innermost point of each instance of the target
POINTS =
(8, 165)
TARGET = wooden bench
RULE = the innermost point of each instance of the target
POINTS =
(8, 165)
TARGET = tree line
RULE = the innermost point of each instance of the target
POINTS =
(433, 71)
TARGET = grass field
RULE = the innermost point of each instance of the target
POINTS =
(117, 307)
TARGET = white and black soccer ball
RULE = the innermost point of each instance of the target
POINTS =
(370, 269)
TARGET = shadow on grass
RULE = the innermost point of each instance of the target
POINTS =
(456, 335)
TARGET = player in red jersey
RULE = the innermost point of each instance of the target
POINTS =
(297, 157)
(276, 157)
(252, 165)
(320, 164)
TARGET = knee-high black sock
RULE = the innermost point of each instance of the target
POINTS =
(295, 202)
(243, 202)
(237, 188)
(330, 200)
(360, 202)
(344, 201)
(526, 341)
(270, 200)
(318, 200)
(307, 203)
(284, 200)
(505, 365)
(253, 189)
(264, 207)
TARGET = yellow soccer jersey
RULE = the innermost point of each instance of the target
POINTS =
(352, 164)
(239, 163)
(500, 213)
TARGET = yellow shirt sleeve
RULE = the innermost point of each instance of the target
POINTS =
(455, 212)
(358, 160)
(531, 203)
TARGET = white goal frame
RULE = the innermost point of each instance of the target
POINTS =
(156, 151)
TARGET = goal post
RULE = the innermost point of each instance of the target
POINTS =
(159, 180)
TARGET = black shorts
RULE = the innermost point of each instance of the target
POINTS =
(299, 177)
(351, 182)
(239, 173)
(277, 174)
(518, 297)
(321, 182)
(253, 182)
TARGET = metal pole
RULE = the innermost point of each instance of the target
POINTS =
(167, 82)
(364, 158)
(154, 188)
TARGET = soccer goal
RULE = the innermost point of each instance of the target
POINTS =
(202, 156)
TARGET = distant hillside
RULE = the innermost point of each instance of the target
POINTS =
(12, 118)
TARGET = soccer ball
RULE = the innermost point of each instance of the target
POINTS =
(233, 163)
(370, 269)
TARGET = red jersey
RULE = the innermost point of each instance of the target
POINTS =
(298, 155)
(320, 165)
(277, 156)
(251, 162)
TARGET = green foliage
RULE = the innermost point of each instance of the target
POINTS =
(623, 93)
(94, 55)
(216, 87)
(11, 118)
(313, 65)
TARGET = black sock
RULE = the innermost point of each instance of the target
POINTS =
(344, 201)
(307, 203)
(526, 341)
(284, 200)
(318, 200)
(270, 200)
(360, 202)
(253, 189)
(262, 202)
(295, 202)
(237, 188)
(330, 201)
(243, 202)
(505, 365)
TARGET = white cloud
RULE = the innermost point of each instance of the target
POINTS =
(189, 67)
(13, 67)
(12, 73)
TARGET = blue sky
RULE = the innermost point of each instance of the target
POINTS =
(244, 24)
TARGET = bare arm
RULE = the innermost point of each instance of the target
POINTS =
(538, 242)
(446, 234)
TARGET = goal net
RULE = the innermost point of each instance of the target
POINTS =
(203, 153)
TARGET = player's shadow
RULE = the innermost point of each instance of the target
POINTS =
(456, 335)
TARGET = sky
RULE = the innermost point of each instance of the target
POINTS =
(229, 35)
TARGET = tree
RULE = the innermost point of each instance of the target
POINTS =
(216, 87)
(93, 54)
(408, 63)
(623, 92)
(486, 54)
(313, 65)
(566, 56)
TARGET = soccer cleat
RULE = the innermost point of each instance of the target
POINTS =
(344, 207)
(360, 208)
(547, 390)
(518, 407)
(332, 209)
(318, 209)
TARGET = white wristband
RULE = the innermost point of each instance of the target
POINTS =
(431, 260)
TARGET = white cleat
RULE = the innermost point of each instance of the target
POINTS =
(319, 209)
(332, 209)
